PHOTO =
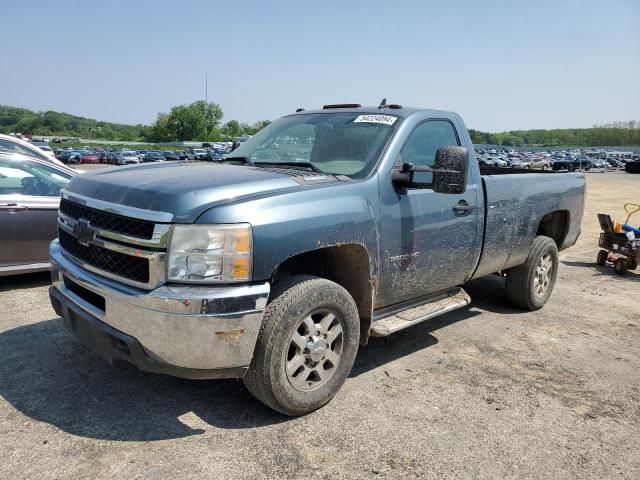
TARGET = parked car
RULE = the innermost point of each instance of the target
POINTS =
(126, 157)
(540, 163)
(197, 153)
(29, 200)
(275, 270)
(521, 162)
(169, 155)
(153, 156)
(572, 164)
(89, 157)
(213, 156)
(7, 142)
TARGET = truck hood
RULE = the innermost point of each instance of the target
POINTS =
(186, 190)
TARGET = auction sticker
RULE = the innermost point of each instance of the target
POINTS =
(385, 119)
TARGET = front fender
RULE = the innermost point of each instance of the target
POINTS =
(296, 222)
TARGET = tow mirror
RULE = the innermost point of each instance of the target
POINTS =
(449, 171)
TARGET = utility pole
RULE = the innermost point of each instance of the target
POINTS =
(206, 87)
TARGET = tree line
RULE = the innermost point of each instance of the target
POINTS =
(196, 121)
(614, 134)
(203, 121)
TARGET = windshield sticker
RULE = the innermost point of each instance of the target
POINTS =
(385, 119)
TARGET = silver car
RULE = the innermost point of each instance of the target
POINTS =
(126, 157)
(29, 201)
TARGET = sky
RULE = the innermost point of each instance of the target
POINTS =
(503, 65)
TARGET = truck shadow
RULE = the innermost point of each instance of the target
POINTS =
(48, 377)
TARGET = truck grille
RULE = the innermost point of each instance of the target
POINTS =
(108, 221)
(127, 266)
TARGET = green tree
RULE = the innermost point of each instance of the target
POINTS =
(197, 121)
(260, 125)
(232, 129)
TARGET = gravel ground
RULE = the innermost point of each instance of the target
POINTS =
(484, 392)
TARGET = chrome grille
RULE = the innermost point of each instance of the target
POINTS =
(127, 266)
(108, 221)
(101, 237)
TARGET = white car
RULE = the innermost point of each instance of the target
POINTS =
(13, 144)
(47, 149)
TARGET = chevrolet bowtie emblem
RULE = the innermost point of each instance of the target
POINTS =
(84, 232)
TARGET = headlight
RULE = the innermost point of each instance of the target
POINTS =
(210, 253)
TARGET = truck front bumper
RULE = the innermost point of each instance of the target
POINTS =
(180, 330)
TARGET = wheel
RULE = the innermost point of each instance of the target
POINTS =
(306, 346)
(544, 167)
(603, 255)
(529, 285)
(620, 266)
(632, 263)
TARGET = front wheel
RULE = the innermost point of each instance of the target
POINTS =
(620, 266)
(529, 285)
(632, 263)
(306, 347)
(603, 255)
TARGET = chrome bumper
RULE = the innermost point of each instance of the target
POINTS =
(189, 327)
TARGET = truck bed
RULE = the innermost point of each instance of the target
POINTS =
(515, 202)
(488, 170)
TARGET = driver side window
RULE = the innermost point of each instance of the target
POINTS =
(424, 142)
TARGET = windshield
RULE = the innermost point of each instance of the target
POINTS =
(335, 143)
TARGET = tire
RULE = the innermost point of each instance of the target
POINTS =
(632, 263)
(603, 255)
(301, 301)
(620, 266)
(529, 285)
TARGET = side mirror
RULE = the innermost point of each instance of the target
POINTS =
(450, 170)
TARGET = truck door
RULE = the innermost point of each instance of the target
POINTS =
(428, 241)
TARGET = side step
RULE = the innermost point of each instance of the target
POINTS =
(451, 300)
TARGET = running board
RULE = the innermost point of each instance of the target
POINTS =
(452, 300)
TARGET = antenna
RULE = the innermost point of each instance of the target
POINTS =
(383, 103)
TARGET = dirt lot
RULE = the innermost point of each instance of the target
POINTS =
(486, 392)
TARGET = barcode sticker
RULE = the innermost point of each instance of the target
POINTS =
(384, 119)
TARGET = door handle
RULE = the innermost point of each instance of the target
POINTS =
(13, 207)
(462, 208)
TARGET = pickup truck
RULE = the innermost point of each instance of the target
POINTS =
(325, 228)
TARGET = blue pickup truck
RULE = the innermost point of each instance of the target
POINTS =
(275, 264)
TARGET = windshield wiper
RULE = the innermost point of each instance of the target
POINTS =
(308, 165)
(246, 160)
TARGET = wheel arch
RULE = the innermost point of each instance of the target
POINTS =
(348, 265)
(555, 225)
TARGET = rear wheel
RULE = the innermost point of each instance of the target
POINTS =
(632, 263)
(306, 347)
(620, 266)
(529, 285)
(602, 257)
